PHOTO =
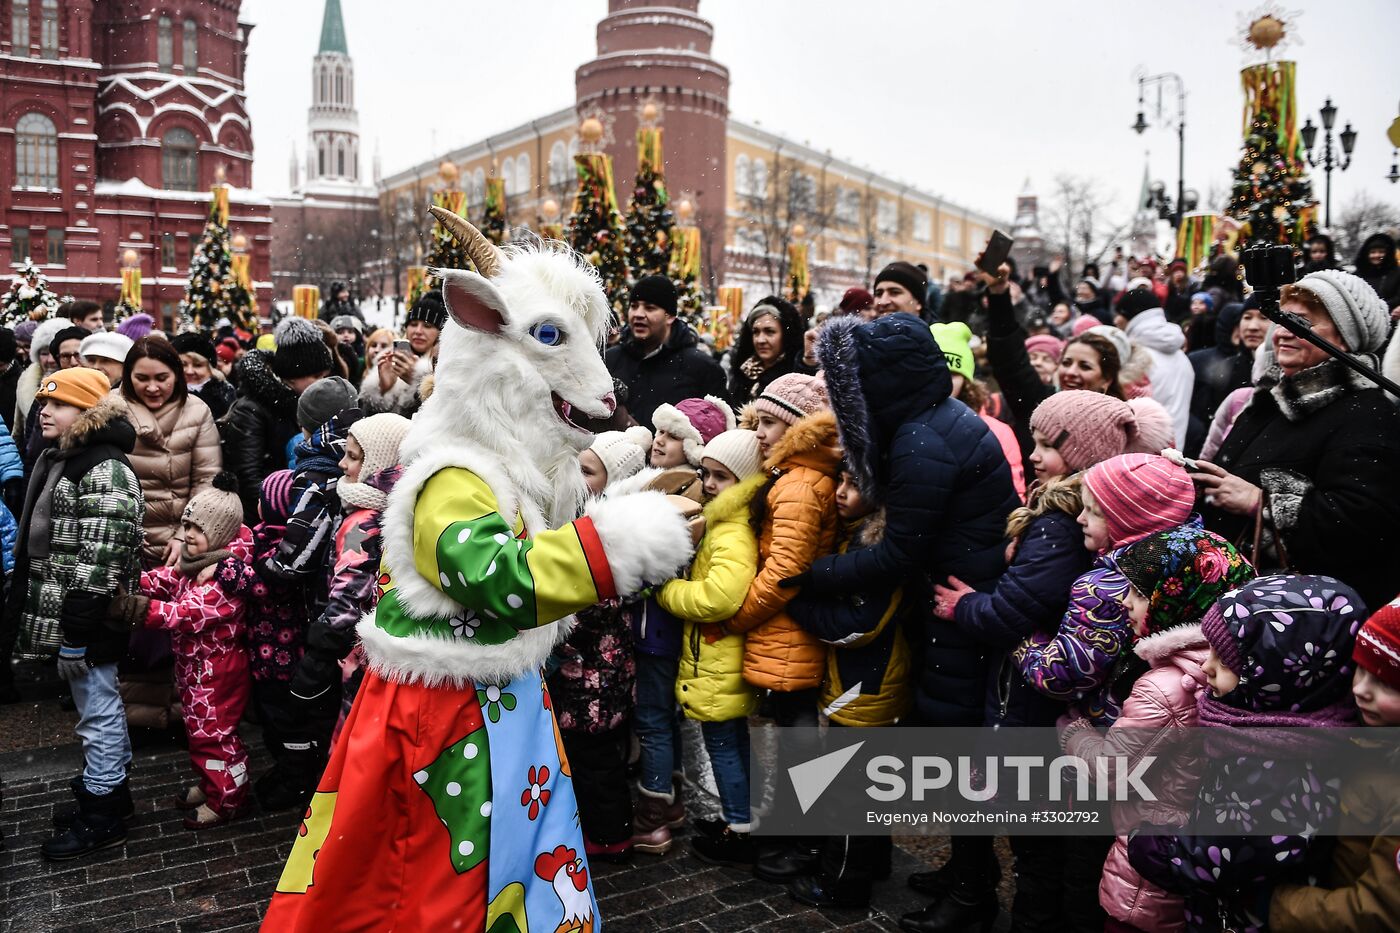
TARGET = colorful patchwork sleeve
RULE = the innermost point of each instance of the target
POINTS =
(1093, 634)
(473, 555)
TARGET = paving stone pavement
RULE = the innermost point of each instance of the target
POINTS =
(166, 878)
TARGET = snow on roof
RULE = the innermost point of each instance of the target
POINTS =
(135, 187)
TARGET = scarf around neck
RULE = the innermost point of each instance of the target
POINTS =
(191, 566)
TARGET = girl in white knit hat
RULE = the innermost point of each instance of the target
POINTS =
(371, 467)
(614, 455)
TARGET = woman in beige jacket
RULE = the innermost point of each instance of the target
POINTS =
(177, 444)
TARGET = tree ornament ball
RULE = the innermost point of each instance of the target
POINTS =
(1266, 32)
(1280, 213)
(798, 231)
(448, 171)
(129, 258)
(240, 242)
(1258, 168)
(650, 113)
(591, 130)
(685, 209)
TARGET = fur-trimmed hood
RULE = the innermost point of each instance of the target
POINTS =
(732, 505)
(103, 423)
(257, 381)
(872, 529)
(879, 375)
(1158, 647)
(811, 442)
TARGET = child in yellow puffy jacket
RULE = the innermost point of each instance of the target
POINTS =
(710, 686)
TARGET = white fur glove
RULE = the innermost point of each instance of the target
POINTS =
(645, 538)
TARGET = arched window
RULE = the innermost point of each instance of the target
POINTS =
(743, 176)
(165, 45)
(189, 46)
(758, 181)
(321, 160)
(524, 184)
(19, 26)
(36, 152)
(478, 189)
(325, 86)
(48, 29)
(340, 159)
(508, 175)
(573, 147)
(355, 162)
(178, 160)
(339, 85)
(558, 163)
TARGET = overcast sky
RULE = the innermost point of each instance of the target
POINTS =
(965, 99)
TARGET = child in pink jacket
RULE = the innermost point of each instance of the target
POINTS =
(1174, 577)
(200, 602)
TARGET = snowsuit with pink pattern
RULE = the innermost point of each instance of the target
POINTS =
(208, 634)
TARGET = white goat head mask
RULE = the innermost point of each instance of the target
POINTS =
(526, 344)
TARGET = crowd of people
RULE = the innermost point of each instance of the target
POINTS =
(1013, 501)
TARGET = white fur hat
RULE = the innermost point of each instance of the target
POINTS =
(695, 421)
(44, 334)
(623, 453)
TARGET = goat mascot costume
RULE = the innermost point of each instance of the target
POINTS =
(447, 802)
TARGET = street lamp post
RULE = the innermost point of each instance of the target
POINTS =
(1157, 81)
(1348, 138)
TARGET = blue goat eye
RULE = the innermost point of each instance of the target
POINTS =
(547, 334)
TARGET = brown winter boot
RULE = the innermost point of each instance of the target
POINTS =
(650, 832)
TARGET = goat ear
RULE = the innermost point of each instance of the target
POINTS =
(473, 302)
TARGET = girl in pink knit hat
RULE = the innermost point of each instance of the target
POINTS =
(1126, 498)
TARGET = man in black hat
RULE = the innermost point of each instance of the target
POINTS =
(659, 359)
(900, 286)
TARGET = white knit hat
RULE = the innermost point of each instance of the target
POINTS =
(44, 334)
(1359, 313)
(379, 437)
(623, 453)
(108, 346)
(695, 421)
(737, 451)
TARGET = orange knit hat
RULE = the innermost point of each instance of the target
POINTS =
(80, 387)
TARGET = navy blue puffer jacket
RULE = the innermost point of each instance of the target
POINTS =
(1030, 597)
(943, 481)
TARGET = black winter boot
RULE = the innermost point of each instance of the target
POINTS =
(822, 892)
(63, 817)
(794, 860)
(725, 847)
(950, 914)
(99, 825)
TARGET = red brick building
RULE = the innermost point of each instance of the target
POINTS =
(115, 118)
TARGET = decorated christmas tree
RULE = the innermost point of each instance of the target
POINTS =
(649, 217)
(493, 219)
(595, 228)
(29, 297)
(443, 251)
(214, 291)
(685, 274)
(1269, 197)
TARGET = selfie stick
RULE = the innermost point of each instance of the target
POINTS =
(1269, 267)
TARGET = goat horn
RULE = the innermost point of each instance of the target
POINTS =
(481, 251)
